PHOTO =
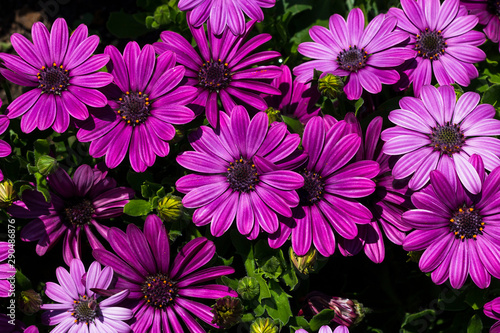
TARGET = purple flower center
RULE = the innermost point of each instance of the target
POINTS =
(242, 175)
(466, 223)
(159, 291)
(447, 139)
(214, 75)
(85, 310)
(312, 191)
(494, 7)
(430, 44)
(352, 59)
(53, 79)
(134, 107)
(79, 211)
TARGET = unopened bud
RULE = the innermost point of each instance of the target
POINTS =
(248, 288)
(46, 165)
(263, 325)
(305, 263)
(330, 86)
(273, 115)
(227, 311)
(170, 208)
(7, 193)
(29, 301)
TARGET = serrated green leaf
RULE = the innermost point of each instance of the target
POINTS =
(475, 325)
(42, 186)
(278, 306)
(264, 288)
(137, 208)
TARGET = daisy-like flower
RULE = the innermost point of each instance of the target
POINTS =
(457, 231)
(145, 101)
(5, 148)
(331, 186)
(390, 199)
(327, 329)
(488, 13)
(297, 99)
(241, 174)
(76, 205)
(444, 40)
(492, 310)
(221, 13)
(221, 70)
(7, 271)
(365, 56)
(78, 307)
(63, 73)
(162, 290)
(436, 131)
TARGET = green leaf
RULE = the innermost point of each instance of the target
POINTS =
(150, 20)
(245, 250)
(264, 288)
(475, 325)
(412, 318)
(137, 208)
(42, 186)
(23, 281)
(231, 283)
(278, 307)
(124, 25)
(294, 125)
(359, 103)
(490, 96)
(41, 147)
(322, 318)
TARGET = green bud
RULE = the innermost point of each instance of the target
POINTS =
(162, 14)
(227, 311)
(414, 256)
(248, 288)
(170, 208)
(46, 165)
(7, 193)
(305, 263)
(263, 325)
(330, 86)
(29, 301)
(274, 115)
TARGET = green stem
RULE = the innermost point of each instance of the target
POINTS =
(6, 87)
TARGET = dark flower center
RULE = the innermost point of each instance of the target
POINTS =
(242, 175)
(79, 211)
(159, 291)
(493, 7)
(352, 59)
(227, 311)
(134, 107)
(85, 309)
(447, 139)
(214, 75)
(53, 79)
(430, 44)
(312, 191)
(466, 223)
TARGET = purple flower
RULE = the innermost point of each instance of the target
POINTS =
(63, 73)
(6, 326)
(220, 13)
(145, 101)
(387, 203)
(222, 71)
(78, 308)
(492, 310)
(436, 131)
(297, 99)
(457, 230)
(241, 174)
(443, 37)
(5, 149)
(327, 329)
(161, 289)
(7, 271)
(331, 185)
(487, 11)
(76, 205)
(365, 56)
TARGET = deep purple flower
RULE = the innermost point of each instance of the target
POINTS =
(436, 131)
(221, 69)
(492, 310)
(9, 325)
(297, 99)
(76, 205)
(78, 307)
(365, 56)
(327, 329)
(390, 199)
(220, 13)
(63, 73)
(5, 149)
(161, 289)
(458, 231)
(7, 271)
(488, 13)
(145, 102)
(443, 37)
(331, 187)
(241, 174)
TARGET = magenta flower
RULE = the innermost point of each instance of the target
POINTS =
(297, 99)
(5, 149)
(365, 56)
(492, 310)
(388, 202)
(76, 205)
(331, 187)
(327, 329)
(161, 290)
(224, 69)
(78, 307)
(436, 131)
(221, 13)
(7, 271)
(488, 14)
(457, 231)
(443, 37)
(145, 102)
(63, 73)
(241, 173)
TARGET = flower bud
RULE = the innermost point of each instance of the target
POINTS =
(29, 301)
(305, 263)
(248, 288)
(7, 193)
(227, 311)
(273, 115)
(263, 325)
(330, 86)
(170, 208)
(46, 165)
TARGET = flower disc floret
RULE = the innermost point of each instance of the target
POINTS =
(79, 211)
(53, 79)
(466, 223)
(159, 291)
(430, 44)
(352, 59)
(214, 75)
(242, 175)
(447, 139)
(133, 107)
(85, 309)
